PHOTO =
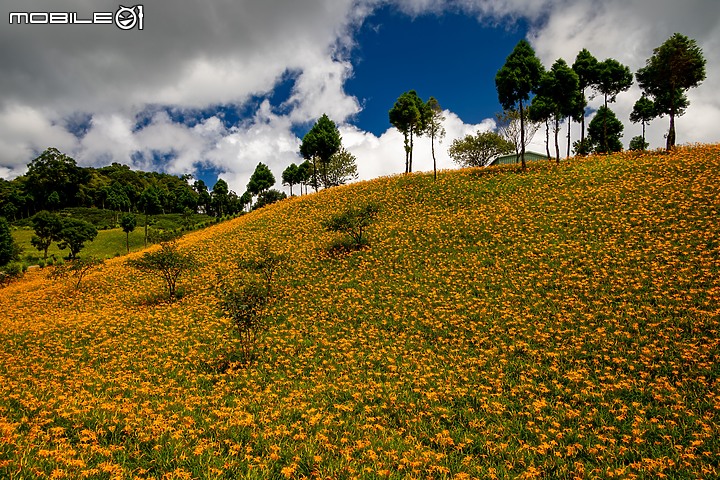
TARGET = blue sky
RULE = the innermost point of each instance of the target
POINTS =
(213, 88)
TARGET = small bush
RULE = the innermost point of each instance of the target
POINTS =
(353, 222)
(168, 263)
(77, 269)
(638, 143)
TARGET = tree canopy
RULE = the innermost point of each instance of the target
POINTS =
(675, 66)
(319, 144)
(516, 80)
(476, 150)
(408, 115)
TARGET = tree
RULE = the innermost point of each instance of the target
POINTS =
(354, 222)
(204, 199)
(643, 112)
(542, 110)
(341, 169)
(74, 234)
(7, 244)
(78, 269)
(128, 223)
(290, 176)
(54, 179)
(220, 197)
(559, 96)
(477, 150)
(516, 80)
(434, 127)
(245, 302)
(261, 180)
(47, 228)
(638, 143)
(604, 131)
(150, 204)
(319, 144)
(586, 68)
(267, 197)
(408, 116)
(168, 263)
(509, 127)
(613, 78)
(305, 171)
(675, 67)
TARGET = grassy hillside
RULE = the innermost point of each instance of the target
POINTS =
(558, 323)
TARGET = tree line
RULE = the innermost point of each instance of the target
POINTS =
(550, 96)
(54, 181)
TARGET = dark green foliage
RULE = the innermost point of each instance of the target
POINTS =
(290, 176)
(7, 245)
(74, 234)
(675, 66)
(643, 112)
(582, 147)
(268, 197)
(261, 180)
(408, 115)
(559, 96)
(604, 132)
(638, 143)
(128, 222)
(220, 197)
(54, 179)
(47, 228)
(585, 66)
(353, 222)
(11, 271)
(477, 150)
(318, 145)
(168, 263)
(516, 80)
(78, 269)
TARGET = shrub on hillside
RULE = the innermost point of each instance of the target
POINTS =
(168, 263)
(353, 222)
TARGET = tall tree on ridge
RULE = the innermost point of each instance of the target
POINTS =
(675, 66)
(613, 78)
(435, 128)
(586, 67)
(516, 80)
(319, 144)
(408, 115)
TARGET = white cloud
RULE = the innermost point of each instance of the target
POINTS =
(199, 54)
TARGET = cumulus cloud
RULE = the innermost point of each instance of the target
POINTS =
(200, 55)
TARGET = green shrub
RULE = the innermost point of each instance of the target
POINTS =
(353, 222)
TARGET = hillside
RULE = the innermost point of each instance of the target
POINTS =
(558, 323)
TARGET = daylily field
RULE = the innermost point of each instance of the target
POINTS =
(557, 323)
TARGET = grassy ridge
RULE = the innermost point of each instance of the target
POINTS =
(557, 323)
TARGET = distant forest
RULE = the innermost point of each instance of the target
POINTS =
(54, 181)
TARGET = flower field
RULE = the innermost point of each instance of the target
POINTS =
(558, 323)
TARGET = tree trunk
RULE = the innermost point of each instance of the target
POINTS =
(569, 120)
(671, 133)
(432, 149)
(522, 136)
(605, 139)
(557, 145)
(411, 151)
(127, 241)
(547, 137)
(582, 120)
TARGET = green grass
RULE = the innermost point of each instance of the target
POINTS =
(107, 244)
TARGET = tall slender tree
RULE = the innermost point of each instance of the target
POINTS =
(408, 115)
(586, 67)
(643, 112)
(613, 78)
(675, 67)
(434, 127)
(516, 80)
(319, 144)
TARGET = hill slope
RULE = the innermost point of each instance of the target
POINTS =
(560, 323)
